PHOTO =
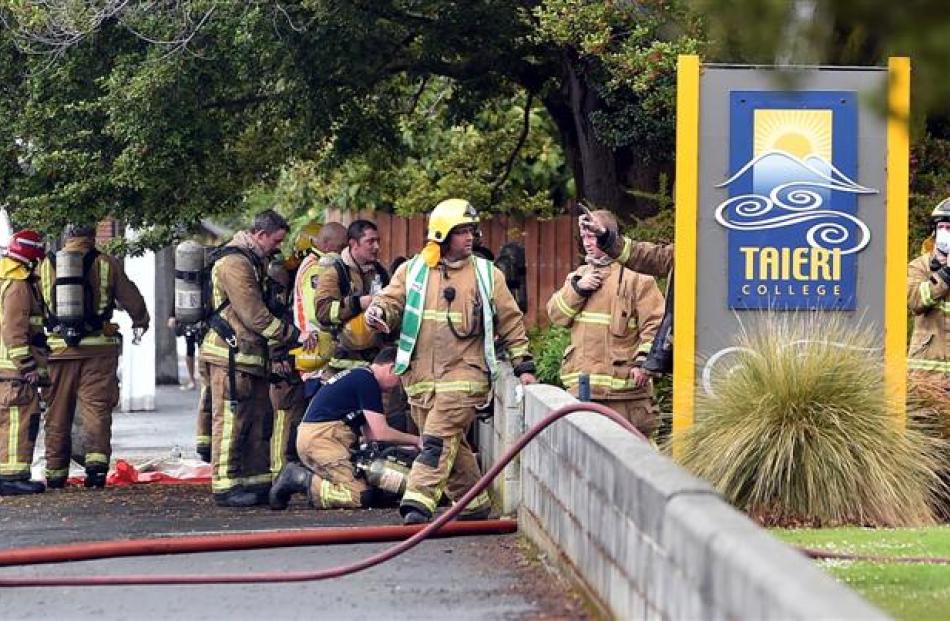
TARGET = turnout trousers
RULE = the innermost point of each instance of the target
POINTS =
(240, 430)
(92, 385)
(446, 464)
(324, 448)
(203, 426)
(19, 426)
(642, 413)
(289, 405)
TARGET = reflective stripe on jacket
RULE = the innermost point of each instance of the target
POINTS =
(21, 322)
(442, 363)
(928, 301)
(333, 310)
(611, 330)
(644, 257)
(108, 284)
(236, 281)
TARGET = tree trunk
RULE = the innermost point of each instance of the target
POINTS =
(602, 174)
(597, 181)
(166, 353)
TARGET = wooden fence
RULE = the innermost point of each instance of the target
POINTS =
(551, 247)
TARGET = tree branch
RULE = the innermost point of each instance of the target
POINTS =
(226, 104)
(496, 187)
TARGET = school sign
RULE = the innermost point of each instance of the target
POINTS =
(791, 196)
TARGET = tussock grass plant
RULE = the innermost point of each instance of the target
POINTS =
(798, 430)
(930, 395)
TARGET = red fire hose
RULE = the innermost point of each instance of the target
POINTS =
(145, 547)
(246, 541)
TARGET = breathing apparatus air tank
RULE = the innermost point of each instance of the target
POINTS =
(385, 468)
(388, 475)
(69, 293)
(189, 285)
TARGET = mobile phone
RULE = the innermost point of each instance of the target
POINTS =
(584, 209)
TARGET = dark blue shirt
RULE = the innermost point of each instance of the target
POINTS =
(346, 392)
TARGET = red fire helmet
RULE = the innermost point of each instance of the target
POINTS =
(26, 246)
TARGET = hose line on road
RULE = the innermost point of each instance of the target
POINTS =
(189, 544)
(322, 574)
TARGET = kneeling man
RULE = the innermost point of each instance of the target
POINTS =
(348, 405)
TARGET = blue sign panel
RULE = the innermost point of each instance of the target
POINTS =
(792, 209)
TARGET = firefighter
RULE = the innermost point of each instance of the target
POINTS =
(448, 307)
(22, 362)
(85, 355)
(286, 388)
(646, 258)
(350, 405)
(345, 291)
(203, 433)
(321, 247)
(613, 314)
(236, 351)
(928, 282)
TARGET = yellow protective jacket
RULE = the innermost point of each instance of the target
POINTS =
(236, 284)
(109, 286)
(305, 289)
(333, 309)
(21, 322)
(644, 257)
(442, 363)
(314, 265)
(612, 330)
(927, 299)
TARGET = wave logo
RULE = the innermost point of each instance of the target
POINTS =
(789, 191)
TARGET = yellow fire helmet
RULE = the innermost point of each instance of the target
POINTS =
(309, 361)
(307, 237)
(356, 335)
(447, 215)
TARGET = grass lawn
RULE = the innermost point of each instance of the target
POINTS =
(904, 590)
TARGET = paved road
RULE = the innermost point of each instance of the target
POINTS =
(466, 578)
(463, 578)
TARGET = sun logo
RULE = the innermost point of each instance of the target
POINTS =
(800, 133)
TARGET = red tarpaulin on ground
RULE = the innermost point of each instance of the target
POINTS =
(166, 471)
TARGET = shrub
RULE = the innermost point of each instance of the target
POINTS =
(798, 430)
(929, 395)
(547, 346)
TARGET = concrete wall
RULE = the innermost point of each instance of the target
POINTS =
(498, 433)
(642, 536)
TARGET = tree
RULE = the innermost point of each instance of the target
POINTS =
(162, 111)
(506, 159)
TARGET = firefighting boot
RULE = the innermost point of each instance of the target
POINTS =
(18, 488)
(55, 483)
(477, 514)
(413, 514)
(293, 479)
(96, 476)
(236, 497)
(263, 494)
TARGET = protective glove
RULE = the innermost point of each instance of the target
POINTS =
(589, 282)
(587, 223)
(375, 319)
